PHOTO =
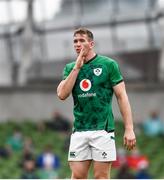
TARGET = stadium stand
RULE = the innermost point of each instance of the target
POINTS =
(57, 140)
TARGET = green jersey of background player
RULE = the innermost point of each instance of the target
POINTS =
(92, 79)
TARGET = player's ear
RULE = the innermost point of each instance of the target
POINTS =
(92, 44)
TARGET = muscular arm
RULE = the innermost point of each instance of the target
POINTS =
(125, 109)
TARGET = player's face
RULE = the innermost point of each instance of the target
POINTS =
(82, 40)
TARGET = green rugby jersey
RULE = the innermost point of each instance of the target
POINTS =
(92, 93)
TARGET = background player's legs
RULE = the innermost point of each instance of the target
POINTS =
(80, 169)
(102, 170)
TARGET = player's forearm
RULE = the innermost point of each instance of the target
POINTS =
(65, 87)
(125, 110)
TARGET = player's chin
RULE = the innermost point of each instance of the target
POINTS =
(78, 52)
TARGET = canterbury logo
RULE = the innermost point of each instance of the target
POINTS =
(72, 154)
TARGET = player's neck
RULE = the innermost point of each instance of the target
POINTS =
(90, 56)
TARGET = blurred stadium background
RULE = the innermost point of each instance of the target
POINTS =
(35, 45)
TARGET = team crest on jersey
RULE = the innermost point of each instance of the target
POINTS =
(85, 85)
(97, 71)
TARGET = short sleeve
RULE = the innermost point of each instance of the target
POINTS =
(65, 72)
(115, 74)
(68, 68)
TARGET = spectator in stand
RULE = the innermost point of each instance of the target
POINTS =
(29, 171)
(135, 159)
(15, 141)
(28, 151)
(153, 126)
(49, 163)
(134, 165)
(59, 122)
(48, 158)
(4, 153)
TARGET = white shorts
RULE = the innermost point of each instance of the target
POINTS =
(97, 145)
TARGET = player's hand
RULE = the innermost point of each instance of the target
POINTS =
(82, 56)
(129, 139)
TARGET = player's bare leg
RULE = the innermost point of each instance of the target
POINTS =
(80, 169)
(102, 170)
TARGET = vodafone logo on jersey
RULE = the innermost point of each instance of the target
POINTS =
(85, 85)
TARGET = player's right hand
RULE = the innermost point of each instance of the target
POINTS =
(81, 57)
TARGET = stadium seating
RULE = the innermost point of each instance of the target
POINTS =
(10, 168)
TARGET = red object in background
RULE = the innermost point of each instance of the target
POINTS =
(137, 162)
(134, 160)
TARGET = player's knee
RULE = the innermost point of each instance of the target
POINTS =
(79, 175)
(101, 175)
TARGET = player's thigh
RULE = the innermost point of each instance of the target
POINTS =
(102, 169)
(80, 169)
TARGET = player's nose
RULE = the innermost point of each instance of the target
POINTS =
(78, 43)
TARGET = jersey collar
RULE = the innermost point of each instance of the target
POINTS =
(91, 59)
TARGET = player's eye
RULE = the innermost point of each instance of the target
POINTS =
(82, 40)
(75, 41)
